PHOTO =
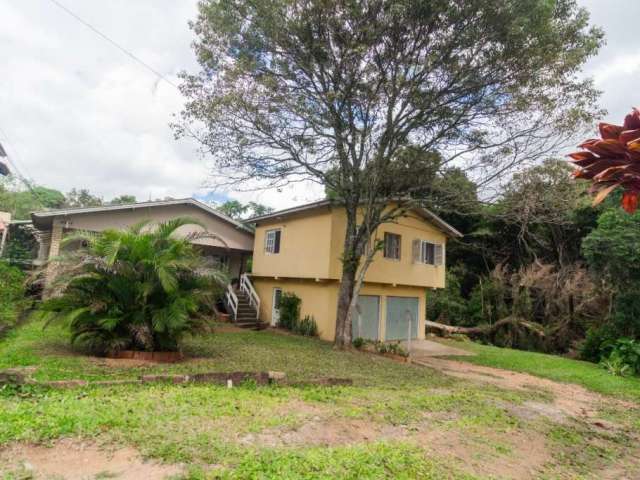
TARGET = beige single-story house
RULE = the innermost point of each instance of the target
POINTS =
(230, 249)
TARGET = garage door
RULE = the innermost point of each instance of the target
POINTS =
(401, 310)
(366, 321)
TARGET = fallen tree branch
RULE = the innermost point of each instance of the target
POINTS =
(485, 330)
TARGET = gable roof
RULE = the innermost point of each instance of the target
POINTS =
(43, 216)
(423, 212)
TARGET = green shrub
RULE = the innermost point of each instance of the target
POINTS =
(358, 342)
(12, 291)
(598, 343)
(624, 357)
(447, 305)
(307, 327)
(626, 311)
(132, 289)
(391, 347)
(616, 366)
(289, 311)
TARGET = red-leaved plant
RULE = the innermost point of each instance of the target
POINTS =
(613, 161)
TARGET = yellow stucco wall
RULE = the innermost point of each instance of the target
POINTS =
(312, 245)
(385, 270)
(320, 300)
(305, 245)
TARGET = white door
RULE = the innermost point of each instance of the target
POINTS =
(275, 310)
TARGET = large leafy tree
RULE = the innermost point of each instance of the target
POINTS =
(138, 288)
(79, 198)
(612, 251)
(238, 210)
(21, 199)
(333, 92)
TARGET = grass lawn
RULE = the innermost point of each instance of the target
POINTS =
(553, 367)
(396, 421)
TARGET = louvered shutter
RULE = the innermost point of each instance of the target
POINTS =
(438, 254)
(416, 245)
(276, 246)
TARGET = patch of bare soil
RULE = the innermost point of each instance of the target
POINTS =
(512, 454)
(324, 432)
(73, 460)
(568, 399)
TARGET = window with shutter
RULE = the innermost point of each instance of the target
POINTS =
(430, 253)
(272, 241)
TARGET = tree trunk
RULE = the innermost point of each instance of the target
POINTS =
(350, 263)
(345, 296)
(484, 330)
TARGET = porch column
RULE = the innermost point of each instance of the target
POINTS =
(54, 251)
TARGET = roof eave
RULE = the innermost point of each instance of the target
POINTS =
(35, 216)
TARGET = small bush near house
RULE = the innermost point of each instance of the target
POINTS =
(132, 289)
(290, 316)
(307, 327)
(11, 294)
(289, 311)
(358, 342)
(392, 347)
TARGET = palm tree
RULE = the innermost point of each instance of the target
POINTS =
(138, 289)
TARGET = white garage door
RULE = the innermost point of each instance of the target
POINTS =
(365, 323)
(401, 311)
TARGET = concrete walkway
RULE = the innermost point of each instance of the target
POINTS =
(428, 348)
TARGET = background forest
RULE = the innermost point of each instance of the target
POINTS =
(553, 272)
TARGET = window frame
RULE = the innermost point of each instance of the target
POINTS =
(397, 249)
(272, 246)
(422, 249)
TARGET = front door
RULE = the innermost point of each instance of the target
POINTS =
(366, 320)
(402, 315)
(275, 310)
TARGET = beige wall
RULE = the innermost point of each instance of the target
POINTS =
(305, 244)
(320, 300)
(98, 221)
(312, 245)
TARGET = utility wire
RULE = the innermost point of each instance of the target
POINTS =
(12, 159)
(114, 43)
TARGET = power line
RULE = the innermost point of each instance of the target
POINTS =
(114, 43)
(12, 159)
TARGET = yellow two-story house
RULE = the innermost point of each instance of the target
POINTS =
(299, 250)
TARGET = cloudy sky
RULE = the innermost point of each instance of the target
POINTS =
(77, 112)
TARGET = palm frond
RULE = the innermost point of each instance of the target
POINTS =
(165, 229)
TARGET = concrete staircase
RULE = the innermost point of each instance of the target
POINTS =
(247, 315)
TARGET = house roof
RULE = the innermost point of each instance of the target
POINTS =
(423, 212)
(42, 217)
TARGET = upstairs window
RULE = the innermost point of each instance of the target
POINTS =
(392, 246)
(272, 241)
(428, 253)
